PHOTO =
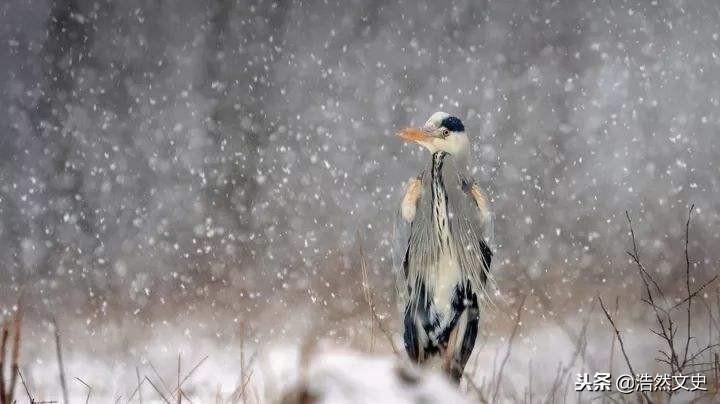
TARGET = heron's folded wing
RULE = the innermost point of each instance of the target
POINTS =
(479, 208)
(402, 230)
(401, 238)
(474, 235)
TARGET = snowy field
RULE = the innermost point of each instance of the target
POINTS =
(218, 365)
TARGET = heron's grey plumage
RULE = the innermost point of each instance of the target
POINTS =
(468, 227)
(442, 262)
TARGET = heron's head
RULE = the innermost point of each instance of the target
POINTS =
(442, 132)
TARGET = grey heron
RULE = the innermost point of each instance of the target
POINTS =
(442, 257)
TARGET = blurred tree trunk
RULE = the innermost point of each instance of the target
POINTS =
(64, 53)
(240, 63)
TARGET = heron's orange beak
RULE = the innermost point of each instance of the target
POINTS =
(415, 134)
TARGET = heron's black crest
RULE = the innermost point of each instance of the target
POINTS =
(453, 124)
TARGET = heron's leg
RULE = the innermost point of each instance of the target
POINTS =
(461, 343)
(414, 336)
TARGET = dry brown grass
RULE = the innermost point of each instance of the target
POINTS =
(11, 330)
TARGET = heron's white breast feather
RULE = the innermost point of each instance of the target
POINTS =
(445, 278)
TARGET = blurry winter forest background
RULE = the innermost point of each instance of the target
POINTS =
(203, 168)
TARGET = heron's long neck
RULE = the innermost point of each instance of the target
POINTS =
(439, 200)
(438, 158)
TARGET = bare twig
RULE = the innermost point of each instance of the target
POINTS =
(190, 373)
(476, 389)
(61, 366)
(498, 380)
(564, 371)
(716, 369)
(162, 381)
(678, 359)
(635, 254)
(530, 381)
(87, 387)
(699, 352)
(612, 342)
(368, 295)
(245, 377)
(3, 353)
(695, 293)
(179, 389)
(241, 393)
(157, 390)
(662, 317)
(243, 386)
(27, 389)
(7, 391)
(138, 387)
(622, 344)
(687, 285)
(368, 299)
(15, 352)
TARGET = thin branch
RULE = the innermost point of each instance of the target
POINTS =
(667, 331)
(87, 387)
(695, 293)
(240, 390)
(564, 371)
(139, 386)
(61, 366)
(716, 369)
(612, 340)
(687, 284)
(15, 353)
(476, 389)
(162, 381)
(636, 256)
(27, 389)
(138, 389)
(509, 350)
(622, 344)
(179, 390)
(713, 321)
(368, 299)
(158, 390)
(243, 386)
(700, 352)
(3, 353)
(190, 373)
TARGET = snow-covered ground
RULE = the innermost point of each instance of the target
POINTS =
(267, 371)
